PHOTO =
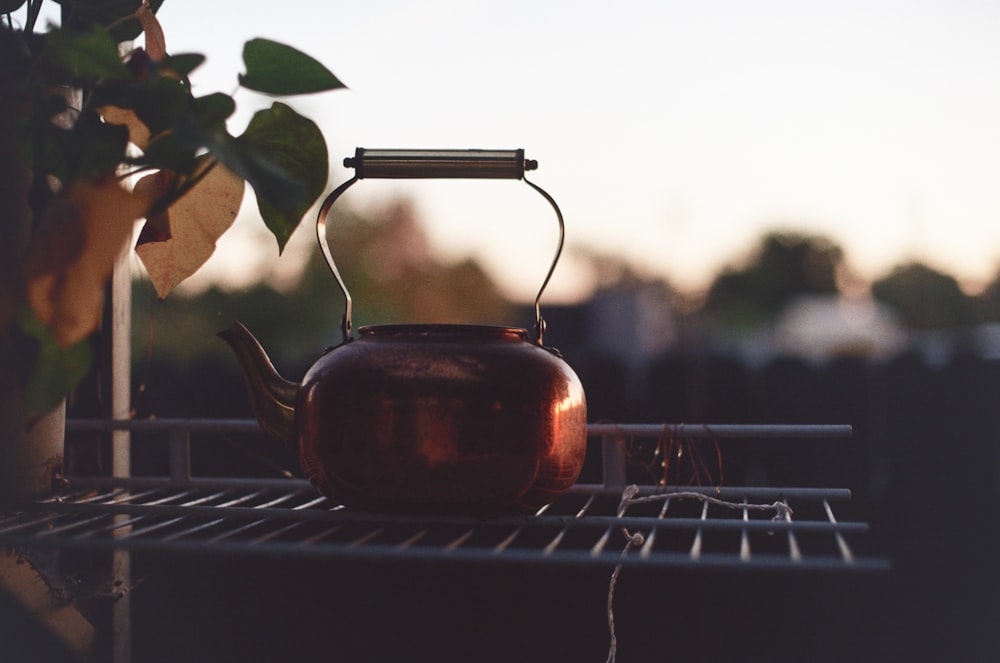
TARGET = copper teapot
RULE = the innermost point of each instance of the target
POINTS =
(428, 418)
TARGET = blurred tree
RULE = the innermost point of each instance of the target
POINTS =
(987, 303)
(784, 265)
(924, 297)
(388, 266)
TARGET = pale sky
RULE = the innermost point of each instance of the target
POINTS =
(671, 133)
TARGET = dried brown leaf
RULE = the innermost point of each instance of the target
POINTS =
(138, 133)
(191, 226)
(156, 44)
(155, 186)
(71, 258)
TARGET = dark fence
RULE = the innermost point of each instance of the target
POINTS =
(919, 430)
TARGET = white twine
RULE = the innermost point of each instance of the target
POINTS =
(634, 540)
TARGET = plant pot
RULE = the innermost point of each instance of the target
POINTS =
(31, 452)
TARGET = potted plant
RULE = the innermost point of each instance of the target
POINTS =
(95, 136)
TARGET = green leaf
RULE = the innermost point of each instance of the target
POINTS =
(200, 126)
(160, 101)
(274, 68)
(85, 57)
(182, 63)
(265, 175)
(176, 151)
(55, 371)
(157, 101)
(214, 109)
(286, 163)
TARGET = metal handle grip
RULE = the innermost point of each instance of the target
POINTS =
(440, 164)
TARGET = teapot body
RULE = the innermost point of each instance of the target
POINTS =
(450, 419)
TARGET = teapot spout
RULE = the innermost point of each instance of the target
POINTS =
(272, 396)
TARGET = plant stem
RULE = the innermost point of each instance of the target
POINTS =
(118, 21)
(34, 8)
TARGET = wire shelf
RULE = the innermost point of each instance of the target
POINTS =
(728, 527)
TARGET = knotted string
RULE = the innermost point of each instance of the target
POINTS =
(633, 540)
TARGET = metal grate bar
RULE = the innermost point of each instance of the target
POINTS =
(505, 544)
(303, 486)
(726, 492)
(696, 545)
(56, 530)
(745, 535)
(322, 535)
(845, 550)
(115, 524)
(242, 499)
(167, 499)
(270, 504)
(154, 527)
(311, 503)
(459, 540)
(273, 534)
(250, 426)
(601, 543)
(551, 547)
(236, 501)
(193, 530)
(647, 547)
(362, 540)
(793, 545)
(123, 496)
(413, 540)
(718, 431)
(219, 538)
(211, 497)
(125, 527)
(23, 521)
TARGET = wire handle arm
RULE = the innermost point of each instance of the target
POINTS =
(434, 164)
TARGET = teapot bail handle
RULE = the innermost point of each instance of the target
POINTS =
(430, 164)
